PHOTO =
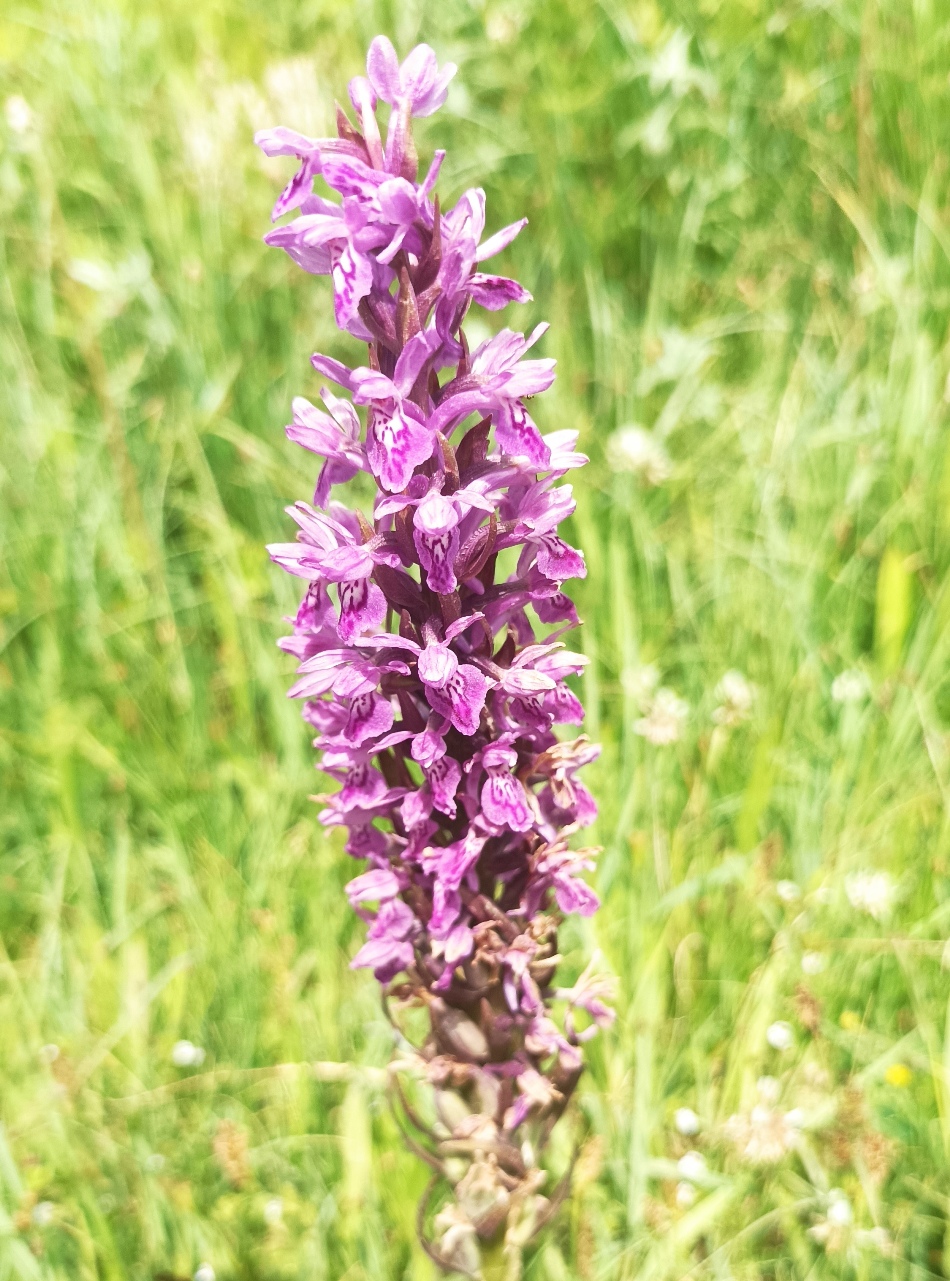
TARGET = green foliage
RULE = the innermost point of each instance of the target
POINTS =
(741, 233)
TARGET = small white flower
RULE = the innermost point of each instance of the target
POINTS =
(204, 1272)
(692, 1166)
(795, 1117)
(49, 1053)
(686, 1121)
(637, 450)
(788, 891)
(780, 1035)
(664, 722)
(768, 1089)
(19, 114)
(871, 892)
(43, 1212)
(851, 686)
(839, 1213)
(813, 963)
(154, 1162)
(186, 1054)
(833, 1230)
(685, 1195)
(274, 1211)
(736, 697)
(763, 1137)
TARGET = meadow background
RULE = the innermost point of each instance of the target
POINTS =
(740, 231)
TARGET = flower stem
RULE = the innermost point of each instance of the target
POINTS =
(501, 1262)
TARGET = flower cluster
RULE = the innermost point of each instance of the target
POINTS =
(437, 708)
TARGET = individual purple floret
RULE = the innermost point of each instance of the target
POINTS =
(435, 704)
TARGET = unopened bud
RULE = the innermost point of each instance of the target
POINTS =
(451, 1108)
(483, 1197)
(458, 1033)
(457, 1242)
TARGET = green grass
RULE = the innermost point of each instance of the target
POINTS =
(742, 241)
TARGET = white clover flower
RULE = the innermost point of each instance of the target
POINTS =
(736, 697)
(839, 1208)
(871, 892)
(833, 1230)
(692, 1166)
(42, 1215)
(186, 1054)
(49, 1053)
(637, 450)
(686, 1195)
(154, 1163)
(204, 1272)
(788, 891)
(813, 963)
(664, 722)
(686, 1121)
(851, 686)
(19, 114)
(780, 1036)
(762, 1137)
(274, 1211)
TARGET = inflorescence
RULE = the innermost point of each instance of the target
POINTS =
(435, 704)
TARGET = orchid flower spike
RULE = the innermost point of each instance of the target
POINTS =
(437, 708)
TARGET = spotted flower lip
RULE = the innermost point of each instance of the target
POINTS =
(437, 705)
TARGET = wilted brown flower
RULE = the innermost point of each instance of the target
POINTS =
(851, 1112)
(808, 1009)
(840, 1147)
(876, 1154)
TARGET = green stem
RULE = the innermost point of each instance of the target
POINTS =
(499, 1263)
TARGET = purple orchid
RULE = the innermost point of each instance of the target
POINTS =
(434, 702)
(497, 384)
